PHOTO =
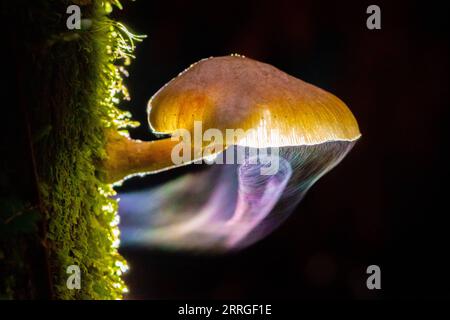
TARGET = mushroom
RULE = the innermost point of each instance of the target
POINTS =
(304, 129)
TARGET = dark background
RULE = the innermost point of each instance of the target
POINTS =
(385, 204)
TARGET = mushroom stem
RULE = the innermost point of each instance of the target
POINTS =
(127, 156)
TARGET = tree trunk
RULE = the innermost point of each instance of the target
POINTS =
(55, 211)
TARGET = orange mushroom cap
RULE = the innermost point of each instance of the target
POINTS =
(235, 92)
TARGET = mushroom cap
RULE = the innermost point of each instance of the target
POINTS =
(234, 92)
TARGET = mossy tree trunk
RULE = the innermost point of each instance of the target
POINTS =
(63, 87)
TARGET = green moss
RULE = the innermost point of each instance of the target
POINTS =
(77, 85)
(83, 225)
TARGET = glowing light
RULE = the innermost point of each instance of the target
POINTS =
(115, 222)
(123, 267)
(108, 208)
(115, 244)
(226, 207)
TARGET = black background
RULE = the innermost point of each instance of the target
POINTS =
(385, 204)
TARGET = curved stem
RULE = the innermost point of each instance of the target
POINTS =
(126, 156)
